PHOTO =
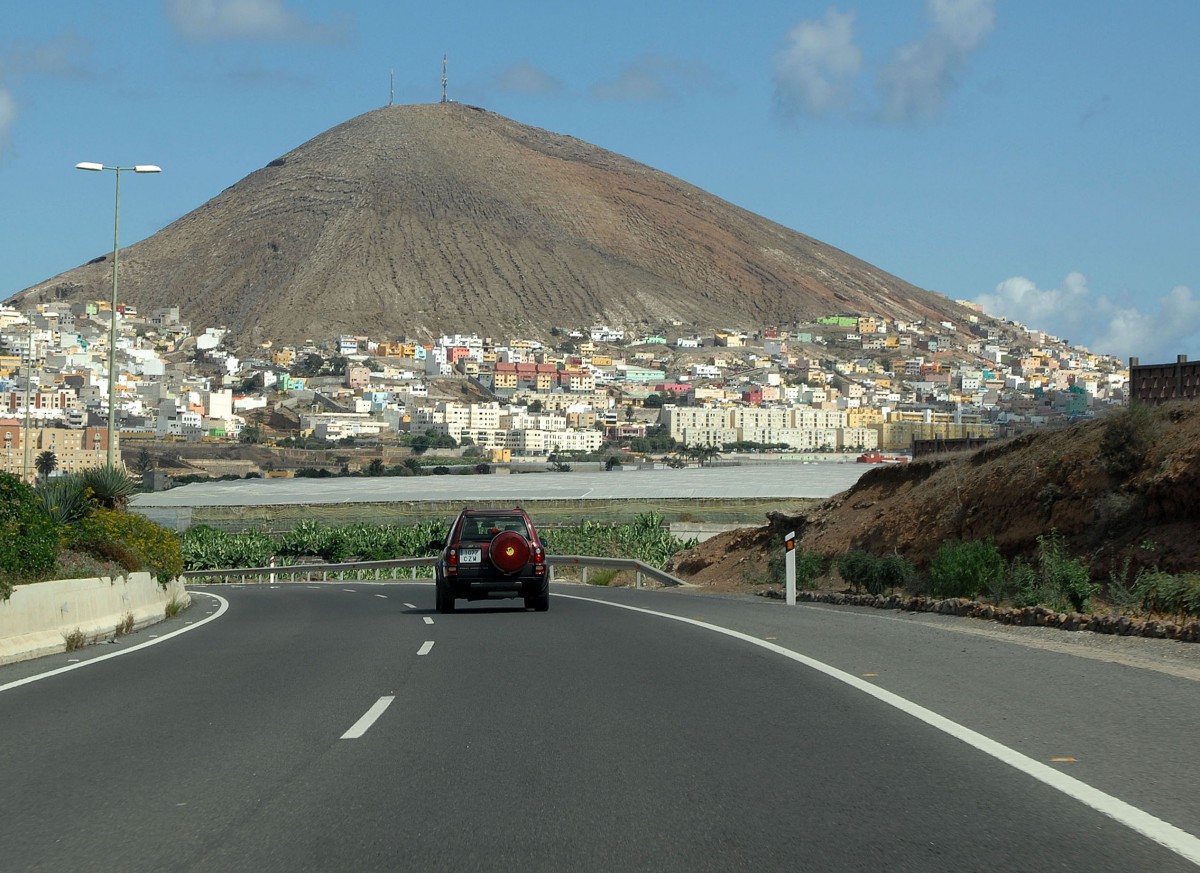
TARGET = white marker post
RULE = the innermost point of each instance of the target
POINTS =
(789, 563)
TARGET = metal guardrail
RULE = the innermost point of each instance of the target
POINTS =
(390, 569)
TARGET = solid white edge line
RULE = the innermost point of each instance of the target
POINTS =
(1177, 840)
(153, 642)
(425, 647)
(369, 718)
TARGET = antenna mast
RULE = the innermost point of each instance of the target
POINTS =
(392, 89)
(444, 100)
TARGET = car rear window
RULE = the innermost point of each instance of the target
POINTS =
(481, 528)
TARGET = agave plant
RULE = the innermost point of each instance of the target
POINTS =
(65, 498)
(110, 486)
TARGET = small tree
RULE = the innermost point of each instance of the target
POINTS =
(143, 463)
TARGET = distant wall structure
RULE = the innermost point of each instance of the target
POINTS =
(1162, 383)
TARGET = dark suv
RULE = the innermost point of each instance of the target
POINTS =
(491, 553)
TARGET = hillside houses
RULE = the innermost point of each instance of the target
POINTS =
(847, 382)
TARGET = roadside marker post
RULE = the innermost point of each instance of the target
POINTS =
(789, 562)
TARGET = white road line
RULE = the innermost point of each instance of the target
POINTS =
(384, 596)
(428, 620)
(369, 718)
(410, 606)
(1169, 836)
(351, 590)
(189, 627)
(425, 647)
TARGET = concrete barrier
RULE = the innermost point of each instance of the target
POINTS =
(36, 619)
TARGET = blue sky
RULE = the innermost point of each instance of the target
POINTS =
(1039, 158)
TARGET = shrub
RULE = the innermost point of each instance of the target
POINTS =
(858, 568)
(28, 536)
(809, 565)
(1024, 582)
(131, 540)
(1127, 438)
(65, 498)
(892, 572)
(1064, 578)
(110, 486)
(1168, 594)
(964, 569)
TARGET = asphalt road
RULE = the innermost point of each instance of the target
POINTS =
(349, 727)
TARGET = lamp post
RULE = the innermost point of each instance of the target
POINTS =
(112, 330)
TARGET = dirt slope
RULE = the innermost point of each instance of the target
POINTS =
(1109, 501)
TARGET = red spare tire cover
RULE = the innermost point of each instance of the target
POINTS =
(509, 551)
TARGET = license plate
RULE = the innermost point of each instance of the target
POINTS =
(470, 556)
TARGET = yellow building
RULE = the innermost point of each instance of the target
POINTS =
(74, 450)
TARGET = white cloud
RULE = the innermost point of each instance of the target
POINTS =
(916, 81)
(246, 19)
(8, 115)
(525, 78)
(1155, 337)
(1155, 330)
(64, 56)
(815, 74)
(654, 77)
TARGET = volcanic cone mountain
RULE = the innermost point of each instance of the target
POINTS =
(421, 220)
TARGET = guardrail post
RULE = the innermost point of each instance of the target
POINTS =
(272, 575)
(639, 579)
(585, 574)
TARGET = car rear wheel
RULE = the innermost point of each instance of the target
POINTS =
(444, 600)
(538, 603)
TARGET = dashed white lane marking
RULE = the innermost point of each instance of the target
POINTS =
(410, 606)
(189, 627)
(425, 647)
(428, 620)
(384, 596)
(369, 718)
(1175, 839)
(351, 590)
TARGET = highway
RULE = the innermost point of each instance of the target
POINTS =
(347, 726)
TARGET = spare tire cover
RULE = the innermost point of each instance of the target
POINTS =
(509, 551)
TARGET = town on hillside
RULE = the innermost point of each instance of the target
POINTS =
(847, 383)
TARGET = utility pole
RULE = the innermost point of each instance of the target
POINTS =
(27, 435)
(444, 99)
(392, 89)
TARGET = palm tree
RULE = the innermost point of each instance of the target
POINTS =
(46, 463)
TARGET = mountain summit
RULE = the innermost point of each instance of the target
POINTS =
(426, 219)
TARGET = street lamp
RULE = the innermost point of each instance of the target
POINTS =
(112, 330)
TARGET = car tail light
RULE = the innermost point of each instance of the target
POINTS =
(539, 561)
(452, 562)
